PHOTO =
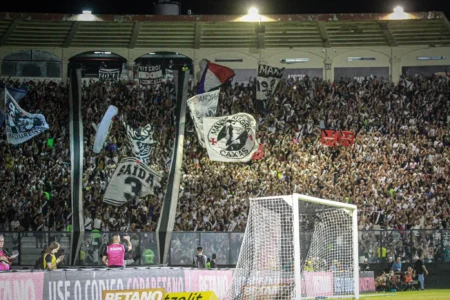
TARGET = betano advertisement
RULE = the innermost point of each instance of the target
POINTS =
(87, 284)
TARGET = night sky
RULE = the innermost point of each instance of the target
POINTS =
(230, 6)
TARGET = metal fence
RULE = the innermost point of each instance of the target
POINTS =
(376, 246)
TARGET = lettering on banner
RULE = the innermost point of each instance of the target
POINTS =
(149, 294)
(250, 291)
(17, 289)
(191, 296)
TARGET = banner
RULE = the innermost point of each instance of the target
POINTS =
(331, 138)
(89, 284)
(360, 74)
(141, 141)
(230, 138)
(131, 180)
(191, 296)
(150, 294)
(267, 82)
(21, 125)
(21, 285)
(208, 280)
(109, 75)
(302, 73)
(103, 129)
(319, 284)
(150, 75)
(367, 282)
(201, 106)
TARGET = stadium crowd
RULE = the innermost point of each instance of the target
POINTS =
(35, 175)
(396, 172)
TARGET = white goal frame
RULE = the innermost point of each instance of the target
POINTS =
(294, 202)
(296, 213)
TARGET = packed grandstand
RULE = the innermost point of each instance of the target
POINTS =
(395, 171)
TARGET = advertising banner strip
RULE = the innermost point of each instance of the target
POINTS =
(144, 294)
(21, 285)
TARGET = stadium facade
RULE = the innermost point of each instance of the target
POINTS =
(328, 45)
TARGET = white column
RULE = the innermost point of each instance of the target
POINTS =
(65, 69)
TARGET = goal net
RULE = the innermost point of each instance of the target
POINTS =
(298, 247)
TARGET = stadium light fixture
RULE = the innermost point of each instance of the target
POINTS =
(398, 10)
(87, 12)
(152, 53)
(253, 11)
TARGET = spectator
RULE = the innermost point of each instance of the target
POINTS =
(5, 260)
(213, 264)
(114, 254)
(50, 260)
(199, 260)
(397, 265)
(420, 269)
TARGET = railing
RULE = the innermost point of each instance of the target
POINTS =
(376, 246)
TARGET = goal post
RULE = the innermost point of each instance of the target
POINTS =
(298, 247)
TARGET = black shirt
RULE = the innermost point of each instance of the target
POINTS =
(418, 266)
(213, 264)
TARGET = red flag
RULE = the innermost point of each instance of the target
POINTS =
(328, 138)
(259, 154)
(346, 138)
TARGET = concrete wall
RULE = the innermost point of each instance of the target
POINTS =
(327, 59)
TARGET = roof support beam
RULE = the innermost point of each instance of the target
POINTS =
(260, 31)
(324, 34)
(71, 34)
(198, 35)
(136, 30)
(9, 31)
(388, 34)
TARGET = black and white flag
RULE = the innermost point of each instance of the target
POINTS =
(150, 75)
(109, 75)
(131, 180)
(231, 138)
(142, 142)
(21, 125)
(203, 106)
(267, 82)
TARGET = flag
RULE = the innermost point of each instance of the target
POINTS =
(109, 75)
(17, 94)
(231, 138)
(21, 125)
(259, 154)
(103, 128)
(267, 82)
(141, 141)
(131, 180)
(201, 106)
(213, 76)
(328, 138)
(150, 75)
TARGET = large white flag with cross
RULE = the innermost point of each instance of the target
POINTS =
(231, 138)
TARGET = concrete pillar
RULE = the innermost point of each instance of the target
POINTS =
(131, 65)
(65, 69)
(328, 69)
(396, 69)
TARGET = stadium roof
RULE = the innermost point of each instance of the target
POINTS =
(222, 31)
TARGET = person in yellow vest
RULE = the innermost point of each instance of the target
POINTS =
(50, 260)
